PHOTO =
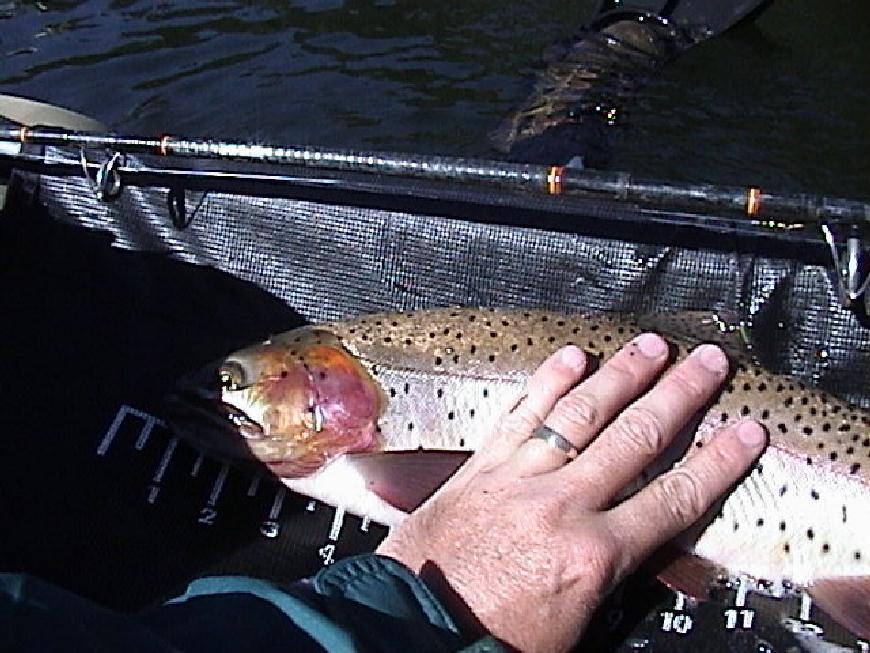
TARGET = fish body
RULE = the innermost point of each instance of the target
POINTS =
(438, 381)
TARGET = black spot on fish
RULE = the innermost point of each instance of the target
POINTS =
(810, 533)
(762, 387)
(783, 490)
(844, 514)
(786, 548)
(471, 412)
(782, 428)
(594, 327)
(826, 547)
(438, 360)
(392, 392)
(826, 427)
(493, 334)
(747, 387)
(723, 417)
(408, 341)
(575, 330)
(744, 411)
(284, 374)
(461, 442)
(857, 555)
(491, 358)
(814, 495)
(407, 388)
(486, 392)
(759, 521)
(845, 427)
(472, 318)
(782, 526)
(832, 455)
(530, 342)
(820, 445)
(560, 323)
(608, 338)
(853, 469)
(729, 388)
(765, 414)
(455, 358)
(472, 349)
(439, 393)
(410, 426)
(459, 335)
(736, 527)
(451, 415)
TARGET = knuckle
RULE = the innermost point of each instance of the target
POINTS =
(689, 385)
(579, 409)
(683, 496)
(642, 429)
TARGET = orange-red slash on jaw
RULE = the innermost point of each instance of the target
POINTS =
(314, 402)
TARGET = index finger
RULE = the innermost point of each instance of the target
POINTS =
(680, 497)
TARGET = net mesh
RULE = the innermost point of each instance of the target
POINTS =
(330, 260)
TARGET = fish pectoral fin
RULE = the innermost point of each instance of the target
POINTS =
(846, 600)
(405, 479)
(684, 572)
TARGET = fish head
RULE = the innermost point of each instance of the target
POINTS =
(293, 405)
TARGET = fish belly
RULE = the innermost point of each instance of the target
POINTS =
(791, 521)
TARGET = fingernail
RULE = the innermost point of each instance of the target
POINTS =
(573, 357)
(712, 358)
(651, 345)
(751, 434)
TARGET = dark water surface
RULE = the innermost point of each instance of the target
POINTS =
(784, 102)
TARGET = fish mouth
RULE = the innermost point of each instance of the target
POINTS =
(195, 412)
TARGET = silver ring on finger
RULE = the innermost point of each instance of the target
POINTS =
(556, 440)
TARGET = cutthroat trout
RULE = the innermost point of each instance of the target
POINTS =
(374, 413)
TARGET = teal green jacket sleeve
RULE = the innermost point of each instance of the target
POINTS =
(361, 604)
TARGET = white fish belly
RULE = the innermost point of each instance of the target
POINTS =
(793, 521)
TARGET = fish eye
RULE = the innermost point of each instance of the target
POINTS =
(232, 376)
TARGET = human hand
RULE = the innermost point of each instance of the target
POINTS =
(524, 543)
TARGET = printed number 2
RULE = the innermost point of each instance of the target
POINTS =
(677, 622)
(207, 516)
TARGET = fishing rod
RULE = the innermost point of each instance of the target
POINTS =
(842, 222)
(751, 202)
